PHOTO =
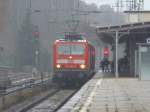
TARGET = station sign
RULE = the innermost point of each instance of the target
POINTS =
(143, 49)
(148, 40)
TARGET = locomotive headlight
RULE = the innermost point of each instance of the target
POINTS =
(70, 57)
(82, 66)
(58, 65)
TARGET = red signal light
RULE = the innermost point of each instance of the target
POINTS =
(35, 34)
(106, 52)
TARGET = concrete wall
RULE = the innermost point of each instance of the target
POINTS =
(12, 14)
(5, 34)
(3, 14)
(137, 17)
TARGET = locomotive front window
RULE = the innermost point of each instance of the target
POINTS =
(63, 49)
(77, 50)
(71, 49)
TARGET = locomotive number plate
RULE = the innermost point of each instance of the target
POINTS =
(70, 61)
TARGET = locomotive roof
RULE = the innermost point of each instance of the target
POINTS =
(74, 42)
(72, 36)
(71, 41)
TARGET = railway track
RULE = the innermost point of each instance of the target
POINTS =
(52, 102)
(48, 101)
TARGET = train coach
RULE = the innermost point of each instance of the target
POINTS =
(73, 59)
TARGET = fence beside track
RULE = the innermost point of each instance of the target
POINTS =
(16, 91)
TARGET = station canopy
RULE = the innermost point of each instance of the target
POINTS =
(131, 33)
(124, 27)
(140, 31)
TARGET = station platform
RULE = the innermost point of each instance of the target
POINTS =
(103, 94)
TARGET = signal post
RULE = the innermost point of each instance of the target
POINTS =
(36, 46)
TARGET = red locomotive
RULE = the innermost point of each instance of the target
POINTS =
(73, 59)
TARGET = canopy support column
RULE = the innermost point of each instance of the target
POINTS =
(116, 59)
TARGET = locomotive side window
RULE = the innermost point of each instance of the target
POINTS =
(71, 49)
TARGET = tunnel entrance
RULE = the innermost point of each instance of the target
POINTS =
(128, 35)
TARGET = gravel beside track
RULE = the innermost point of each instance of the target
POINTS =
(54, 102)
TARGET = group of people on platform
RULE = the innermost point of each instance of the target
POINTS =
(108, 66)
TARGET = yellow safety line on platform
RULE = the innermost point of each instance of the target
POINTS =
(90, 98)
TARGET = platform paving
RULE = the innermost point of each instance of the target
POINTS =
(111, 95)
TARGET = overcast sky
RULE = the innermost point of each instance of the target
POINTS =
(100, 2)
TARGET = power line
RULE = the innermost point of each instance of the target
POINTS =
(130, 5)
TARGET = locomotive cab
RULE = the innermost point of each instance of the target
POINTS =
(73, 60)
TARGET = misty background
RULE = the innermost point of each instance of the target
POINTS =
(51, 18)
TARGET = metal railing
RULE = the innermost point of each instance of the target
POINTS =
(29, 83)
